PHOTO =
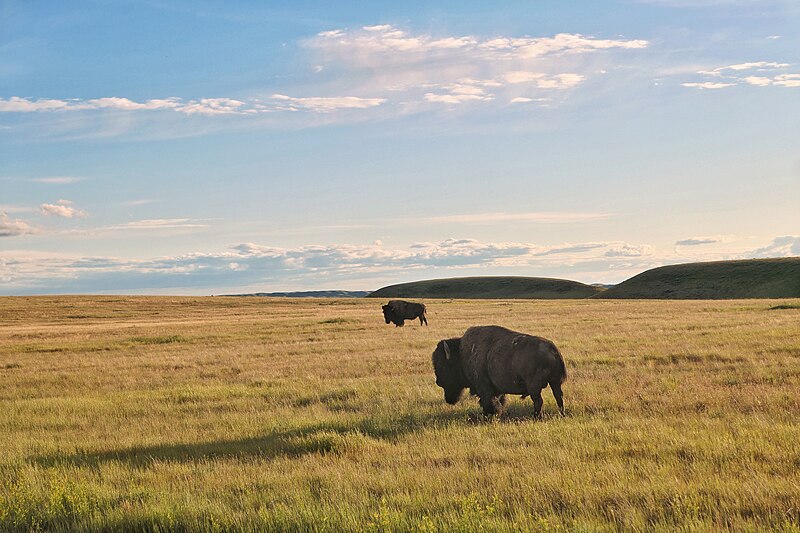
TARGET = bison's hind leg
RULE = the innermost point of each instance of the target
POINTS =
(558, 395)
(535, 387)
(423, 319)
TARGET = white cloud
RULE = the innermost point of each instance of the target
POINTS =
(13, 228)
(60, 180)
(527, 47)
(522, 76)
(627, 250)
(546, 217)
(315, 266)
(757, 65)
(10, 208)
(542, 81)
(202, 106)
(214, 106)
(383, 45)
(459, 69)
(454, 98)
(382, 68)
(708, 85)
(143, 201)
(759, 81)
(697, 241)
(126, 104)
(786, 246)
(756, 73)
(787, 80)
(326, 104)
(157, 224)
(249, 263)
(16, 104)
(62, 208)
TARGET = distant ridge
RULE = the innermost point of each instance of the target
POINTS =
(506, 287)
(308, 294)
(718, 280)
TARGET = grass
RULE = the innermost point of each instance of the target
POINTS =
(232, 414)
(488, 287)
(752, 278)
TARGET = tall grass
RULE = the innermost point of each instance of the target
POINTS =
(185, 414)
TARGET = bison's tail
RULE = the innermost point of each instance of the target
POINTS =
(561, 366)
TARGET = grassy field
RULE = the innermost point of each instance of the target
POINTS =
(183, 414)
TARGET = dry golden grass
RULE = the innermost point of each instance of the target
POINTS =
(140, 413)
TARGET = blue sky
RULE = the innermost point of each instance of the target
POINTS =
(204, 148)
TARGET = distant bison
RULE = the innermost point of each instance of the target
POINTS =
(492, 361)
(398, 311)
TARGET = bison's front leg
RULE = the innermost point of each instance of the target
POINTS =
(491, 405)
(537, 403)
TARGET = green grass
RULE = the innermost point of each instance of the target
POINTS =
(754, 278)
(509, 287)
(240, 414)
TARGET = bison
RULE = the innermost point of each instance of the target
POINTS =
(492, 361)
(398, 311)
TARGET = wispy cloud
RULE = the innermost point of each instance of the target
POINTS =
(698, 241)
(314, 266)
(203, 106)
(382, 66)
(250, 263)
(142, 201)
(754, 73)
(62, 208)
(785, 246)
(13, 228)
(9, 208)
(549, 217)
(59, 180)
(325, 105)
(157, 224)
(460, 69)
(708, 85)
(404, 46)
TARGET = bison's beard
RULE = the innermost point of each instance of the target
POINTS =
(452, 396)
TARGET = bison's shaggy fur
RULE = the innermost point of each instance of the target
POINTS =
(492, 361)
(398, 311)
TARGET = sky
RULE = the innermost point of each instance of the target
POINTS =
(195, 147)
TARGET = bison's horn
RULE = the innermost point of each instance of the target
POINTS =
(446, 350)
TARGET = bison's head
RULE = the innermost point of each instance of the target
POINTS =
(388, 313)
(447, 367)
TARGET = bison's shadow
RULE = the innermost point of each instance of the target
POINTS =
(296, 442)
(515, 411)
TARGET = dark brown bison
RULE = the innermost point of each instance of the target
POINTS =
(398, 311)
(492, 361)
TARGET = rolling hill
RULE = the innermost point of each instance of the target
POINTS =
(489, 287)
(751, 278)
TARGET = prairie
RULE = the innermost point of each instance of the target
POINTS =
(229, 414)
